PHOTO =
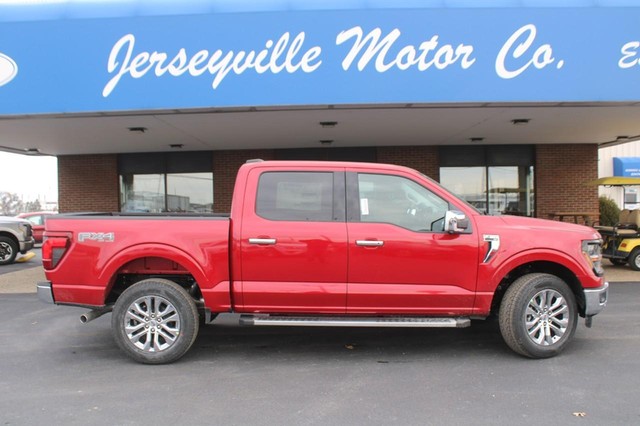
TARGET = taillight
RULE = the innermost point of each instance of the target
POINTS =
(53, 248)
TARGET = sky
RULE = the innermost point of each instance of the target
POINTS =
(29, 177)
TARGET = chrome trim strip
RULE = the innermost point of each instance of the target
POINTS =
(368, 243)
(262, 241)
(45, 292)
(355, 321)
(592, 304)
(494, 245)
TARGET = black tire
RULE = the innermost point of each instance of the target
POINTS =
(533, 332)
(618, 262)
(634, 259)
(8, 251)
(149, 340)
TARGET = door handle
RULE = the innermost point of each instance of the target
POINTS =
(369, 243)
(262, 241)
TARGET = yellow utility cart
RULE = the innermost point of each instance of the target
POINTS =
(621, 241)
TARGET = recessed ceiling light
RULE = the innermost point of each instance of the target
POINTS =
(32, 151)
(329, 123)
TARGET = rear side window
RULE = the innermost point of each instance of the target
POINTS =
(295, 196)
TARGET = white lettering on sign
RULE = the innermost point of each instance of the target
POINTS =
(519, 47)
(8, 69)
(429, 53)
(283, 55)
(629, 55)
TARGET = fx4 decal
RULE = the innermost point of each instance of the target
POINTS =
(100, 237)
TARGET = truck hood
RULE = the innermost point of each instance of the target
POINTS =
(9, 219)
(528, 224)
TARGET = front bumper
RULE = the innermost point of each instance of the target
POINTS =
(595, 299)
(45, 292)
(27, 245)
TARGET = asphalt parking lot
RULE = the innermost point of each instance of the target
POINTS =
(56, 370)
(36, 261)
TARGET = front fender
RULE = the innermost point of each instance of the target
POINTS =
(495, 275)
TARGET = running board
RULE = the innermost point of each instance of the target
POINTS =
(304, 321)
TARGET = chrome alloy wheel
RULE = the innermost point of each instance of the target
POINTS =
(547, 317)
(6, 251)
(152, 323)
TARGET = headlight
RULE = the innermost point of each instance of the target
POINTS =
(592, 250)
(25, 228)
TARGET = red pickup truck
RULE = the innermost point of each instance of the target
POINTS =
(326, 244)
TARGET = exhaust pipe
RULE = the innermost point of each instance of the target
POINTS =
(91, 315)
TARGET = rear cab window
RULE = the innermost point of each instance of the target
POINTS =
(298, 196)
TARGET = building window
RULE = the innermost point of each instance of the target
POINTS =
(495, 179)
(164, 182)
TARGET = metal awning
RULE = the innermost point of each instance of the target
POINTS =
(615, 181)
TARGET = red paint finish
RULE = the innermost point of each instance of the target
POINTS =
(282, 261)
(413, 272)
(304, 270)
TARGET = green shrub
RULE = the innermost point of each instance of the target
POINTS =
(609, 211)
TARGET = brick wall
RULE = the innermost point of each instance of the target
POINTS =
(422, 158)
(560, 176)
(88, 183)
(225, 167)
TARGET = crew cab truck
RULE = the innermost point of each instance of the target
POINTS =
(326, 244)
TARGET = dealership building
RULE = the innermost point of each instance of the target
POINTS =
(152, 106)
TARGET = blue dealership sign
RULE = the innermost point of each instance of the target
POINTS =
(626, 166)
(292, 58)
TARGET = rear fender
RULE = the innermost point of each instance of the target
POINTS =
(113, 265)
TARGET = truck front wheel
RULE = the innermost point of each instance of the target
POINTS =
(155, 321)
(538, 315)
(8, 250)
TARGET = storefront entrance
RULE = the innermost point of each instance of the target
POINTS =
(494, 179)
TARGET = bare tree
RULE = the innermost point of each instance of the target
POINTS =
(33, 206)
(10, 204)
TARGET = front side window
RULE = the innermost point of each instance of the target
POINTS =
(400, 201)
(295, 196)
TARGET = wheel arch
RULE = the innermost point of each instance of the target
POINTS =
(147, 261)
(10, 235)
(539, 266)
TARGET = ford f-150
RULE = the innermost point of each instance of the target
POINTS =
(326, 244)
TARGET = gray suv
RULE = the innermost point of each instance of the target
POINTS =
(16, 237)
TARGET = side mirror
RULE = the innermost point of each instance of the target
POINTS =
(455, 222)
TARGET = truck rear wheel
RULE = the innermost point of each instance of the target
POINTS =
(8, 251)
(155, 321)
(538, 315)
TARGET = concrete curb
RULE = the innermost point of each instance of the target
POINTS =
(21, 281)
